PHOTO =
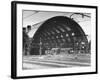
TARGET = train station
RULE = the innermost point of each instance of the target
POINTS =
(56, 39)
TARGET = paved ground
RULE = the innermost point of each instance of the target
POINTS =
(55, 61)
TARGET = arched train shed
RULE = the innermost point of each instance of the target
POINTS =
(57, 32)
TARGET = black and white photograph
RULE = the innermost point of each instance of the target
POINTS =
(54, 39)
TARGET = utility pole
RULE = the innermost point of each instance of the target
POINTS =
(40, 50)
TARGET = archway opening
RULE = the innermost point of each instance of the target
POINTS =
(58, 35)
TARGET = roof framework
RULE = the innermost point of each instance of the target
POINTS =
(58, 32)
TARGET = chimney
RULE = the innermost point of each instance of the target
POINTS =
(24, 29)
(28, 28)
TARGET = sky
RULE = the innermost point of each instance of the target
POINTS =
(31, 17)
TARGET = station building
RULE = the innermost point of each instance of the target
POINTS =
(56, 35)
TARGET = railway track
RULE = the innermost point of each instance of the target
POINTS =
(38, 63)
